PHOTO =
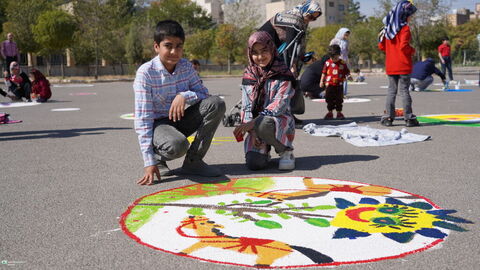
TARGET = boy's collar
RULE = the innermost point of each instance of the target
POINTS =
(160, 67)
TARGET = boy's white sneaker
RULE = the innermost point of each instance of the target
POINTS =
(287, 161)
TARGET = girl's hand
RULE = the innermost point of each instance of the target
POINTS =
(243, 128)
(322, 84)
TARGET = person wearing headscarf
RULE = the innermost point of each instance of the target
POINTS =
(395, 42)
(40, 86)
(18, 82)
(341, 39)
(286, 27)
(266, 93)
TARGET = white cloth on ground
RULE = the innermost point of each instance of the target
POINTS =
(362, 136)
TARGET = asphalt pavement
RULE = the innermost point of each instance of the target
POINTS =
(67, 176)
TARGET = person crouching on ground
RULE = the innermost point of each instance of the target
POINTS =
(163, 87)
(395, 42)
(334, 73)
(266, 94)
(18, 83)
(40, 86)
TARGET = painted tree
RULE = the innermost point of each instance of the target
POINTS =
(54, 33)
(227, 41)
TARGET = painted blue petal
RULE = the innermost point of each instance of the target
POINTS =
(342, 203)
(421, 205)
(349, 233)
(454, 219)
(433, 233)
(400, 237)
(441, 212)
(368, 201)
(449, 226)
(394, 201)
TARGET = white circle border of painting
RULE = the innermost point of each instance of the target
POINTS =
(347, 100)
(128, 116)
(357, 83)
(65, 109)
(18, 104)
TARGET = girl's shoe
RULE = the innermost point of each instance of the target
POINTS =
(328, 116)
(287, 161)
(340, 116)
(388, 122)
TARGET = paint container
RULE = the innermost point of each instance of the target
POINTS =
(239, 138)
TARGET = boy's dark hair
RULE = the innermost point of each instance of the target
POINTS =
(195, 62)
(357, 70)
(333, 50)
(168, 28)
(445, 38)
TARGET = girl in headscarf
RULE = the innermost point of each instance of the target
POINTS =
(40, 86)
(266, 118)
(18, 83)
(341, 39)
(395, 42)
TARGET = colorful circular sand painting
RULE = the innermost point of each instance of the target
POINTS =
(451, 119)
(288, 222)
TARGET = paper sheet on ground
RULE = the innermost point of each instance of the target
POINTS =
(362, 136)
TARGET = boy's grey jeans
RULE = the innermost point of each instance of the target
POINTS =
(170, 138)
(399, 83)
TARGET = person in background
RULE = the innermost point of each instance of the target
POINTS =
(444, 53)
(341, 39)
(196, 65)
(310, 80)
(360, 76)
(18, 82)
(40, 86)
(9, 51)
(394, 40)
(334, 73)
(421, 76)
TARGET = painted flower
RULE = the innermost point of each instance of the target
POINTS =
(365, 190)
(394, 219)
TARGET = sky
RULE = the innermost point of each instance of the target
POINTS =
(367, 6)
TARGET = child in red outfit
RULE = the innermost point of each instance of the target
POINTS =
(334, 73)
(40, 86)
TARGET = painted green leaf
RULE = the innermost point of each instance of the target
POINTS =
(235, 201)
(290, 205)
(196, 211)
(249, 200)
(262, 202)
(319, 222)
(305, 204)
(221, 203)
(220, 211)
(265, 215)
(284, 216)
(268, 224)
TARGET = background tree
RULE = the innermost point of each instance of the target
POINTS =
(199, 44)
(226, 41)
(464, 41)
(363, 42)
(134, 45)
(353, 15)
(92, 26)
(319, 39)
(54, 33)
(22, 15)
(187, 13)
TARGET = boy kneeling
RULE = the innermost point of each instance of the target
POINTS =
(163, 87)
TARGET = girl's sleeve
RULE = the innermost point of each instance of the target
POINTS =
(281, 101)
(246, 112)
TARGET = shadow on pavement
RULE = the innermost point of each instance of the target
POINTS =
(60, 133)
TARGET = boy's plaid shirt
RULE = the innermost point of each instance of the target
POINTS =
(155, 88)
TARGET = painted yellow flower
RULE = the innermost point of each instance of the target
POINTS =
(365, 190)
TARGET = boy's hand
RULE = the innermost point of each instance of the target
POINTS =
(149, 176)
(322, 84)
(177, 109)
